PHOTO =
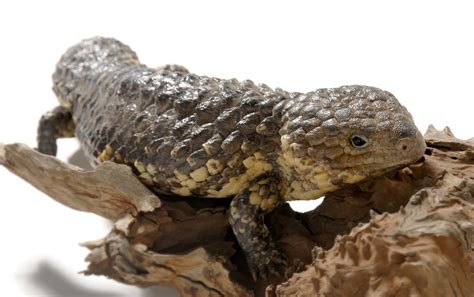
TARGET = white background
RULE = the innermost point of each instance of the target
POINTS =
(422, 51)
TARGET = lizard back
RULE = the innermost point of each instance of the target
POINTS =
(208, 137)
(182, 133)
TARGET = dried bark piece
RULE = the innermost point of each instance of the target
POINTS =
(425, 249)
(195, 273)
(111, 190)
(446, 139)
(343, 210)
(142, 222)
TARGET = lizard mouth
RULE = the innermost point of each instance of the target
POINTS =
(387, 169)
(410, 152)
(374, 170)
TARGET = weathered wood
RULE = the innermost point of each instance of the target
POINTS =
(195, 273)
(110, 190)
(408, 233)
(424, 249)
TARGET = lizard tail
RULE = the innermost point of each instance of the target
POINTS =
(85, 61)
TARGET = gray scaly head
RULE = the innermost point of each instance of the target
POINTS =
(334, 137)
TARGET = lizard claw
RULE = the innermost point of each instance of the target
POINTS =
(297, 266)
(263, 264)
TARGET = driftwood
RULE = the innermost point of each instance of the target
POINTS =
(409, 233)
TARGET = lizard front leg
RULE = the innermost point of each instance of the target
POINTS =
(55, 124)
(247, 211)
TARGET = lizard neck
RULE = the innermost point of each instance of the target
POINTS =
(303, 175)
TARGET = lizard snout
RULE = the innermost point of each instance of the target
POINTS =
(413, 146)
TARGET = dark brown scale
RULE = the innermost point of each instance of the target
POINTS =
(203, 133)
(181, 150)
(185, 104)
(213, 144)
(197, 159)
(232, 142)
(226, 121)
(269, 126)
(269, 146)
(249, 123)
(251, 144)
(184, 127)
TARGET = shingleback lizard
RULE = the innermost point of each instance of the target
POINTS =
(200, 136)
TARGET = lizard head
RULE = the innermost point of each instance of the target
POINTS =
(334, 137)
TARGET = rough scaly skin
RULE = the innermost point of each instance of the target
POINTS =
(198, 136)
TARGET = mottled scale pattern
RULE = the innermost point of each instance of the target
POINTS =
(200, 136)
(190, 135)
(166, 124)
(321, 122)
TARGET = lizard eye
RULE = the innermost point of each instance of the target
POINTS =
(359, 141)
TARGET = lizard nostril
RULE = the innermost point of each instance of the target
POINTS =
(404, 145)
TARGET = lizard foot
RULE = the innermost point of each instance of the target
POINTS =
(296, 266)
(265, 263)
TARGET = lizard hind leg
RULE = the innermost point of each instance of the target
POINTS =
(55, 124)
(246, 217)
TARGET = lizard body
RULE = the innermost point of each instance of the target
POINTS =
(200, 136)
